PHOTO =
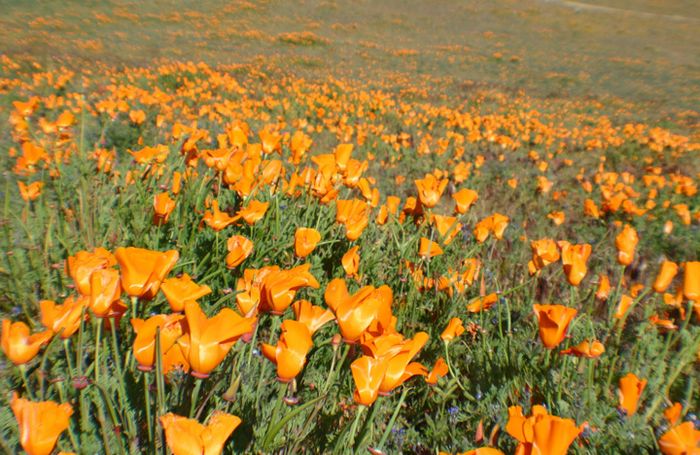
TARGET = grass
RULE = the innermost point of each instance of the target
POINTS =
(503, 98)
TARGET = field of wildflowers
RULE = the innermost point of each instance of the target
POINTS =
(201, 258)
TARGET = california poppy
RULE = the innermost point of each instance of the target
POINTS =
(367, 372)
(305, 241)
(440, 369)
(40, 423)
(575, 259)
(464, 199)
(544, 252)
(312, 316)
(624, 305)
(629, 392)
(189, 437)
(83, 263)
(453, 330)
(482, 303)
(290, 353)
(208, 340)
(673, 413)
(163, 206)
(17, 343)
(691, 281)
(170, 329)
(682, 439)
(279, 287)
(626, 242)
(603, 290)
(239, 248)
(142, 271)
(361, 311)
(65, 318)
(105, 291)
(253, 212)
(351, 261)
(554, 322)
(218, 220)
(428, 248)
(179, 290)
(541, 433)
(588, 349)
(430, 189)
(30, 192)
(667, 272)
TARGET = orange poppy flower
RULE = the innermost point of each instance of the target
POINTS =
(305, 241)
(557, 218)
(683, 213)
(105, 290)
(40, 423)
(591, 209)
(145, 341)
(280, 287)
(312, 316)
(367, 372)
(464, 199)
(163, 206)
(588, 349)
(64, 319)
(624, 305)
(208, 340)
(179, 290)
(81, 266)
(142, 271)
(440, 370)
(253, 212)
(479, 451)
(447, 227)
(626, 242)
(217, 219)
(430, 189)
(629, 392)
(354, 215)
(18, 345)
(673, 413)
(544, 252)
(691, 281)
(351, 261)
(290, 353)
(453, 330)
(603, 290)
(554, 322)
(239, 249)
(428, 248)
(541, 433)
(482, 303)
(30, 192)
(495, 224)
(682, 439)
(397, 353)
(368, 308)
(575, 259)
(189, 437)
(667, 272)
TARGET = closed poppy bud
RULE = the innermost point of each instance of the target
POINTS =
(666, 274)
(453, 330)
(629, 392)
(208, 340)
(428, 248)
(142, 271)
(239, 248)
(603, 290)
(64, 319)
(554, 322)
(367, 372)
(626, 243)
(145, 342)
(179, 290)
(464, 199)
(682, 439)
(624, 305)
(586, 349)
(18, 345)
(440, 369)
(189, 437)
(351, 261)
(305, 241)
(482, 303)
(40, 423)
(163, 206)
(430, 189)
(290, 353)
(691, 281)
(105, 289)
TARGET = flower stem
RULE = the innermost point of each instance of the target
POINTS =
(392, 421)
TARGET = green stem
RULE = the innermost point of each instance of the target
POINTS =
(147, 399)
(392, 421)
(195, 396)
(455, 374)
(25, 381)
(98, 341)
(278, 404)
